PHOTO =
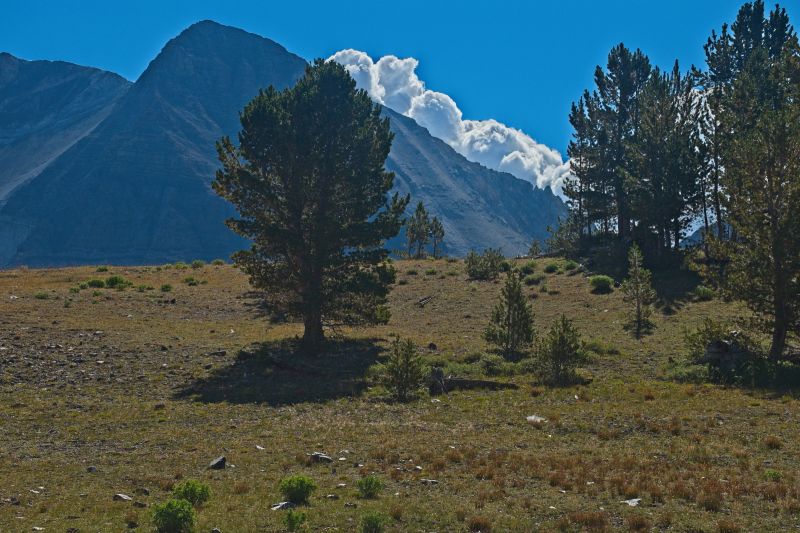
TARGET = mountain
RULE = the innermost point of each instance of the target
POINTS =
(45, 108)
(135, 187)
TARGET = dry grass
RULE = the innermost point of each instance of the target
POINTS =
(148, 392)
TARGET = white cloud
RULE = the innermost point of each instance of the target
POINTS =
(394, 83)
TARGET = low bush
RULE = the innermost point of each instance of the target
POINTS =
(218, 262)
(570, 265)
(174, 516)
(180, 265)
(551, 268)
(484, 266)
(372, 522)
(430, 272)
(703, 293)
(528, 268)
(297, 489)
(102, 269)
(41, 296)
(118, 282)
(495, 365)
(166, 287)
(191, 281)
(369, 487)
(736, 356)
(193, 491)
(294, 519)
(96, 283)
(197, 263)
(601, 284)
(533, 279)
(479, 524)
(412, 272)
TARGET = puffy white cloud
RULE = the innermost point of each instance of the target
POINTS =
(394, 83)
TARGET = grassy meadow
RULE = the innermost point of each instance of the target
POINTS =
(106, 391)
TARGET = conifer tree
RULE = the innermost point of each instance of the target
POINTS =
(511, 325)
(638, 290)
(437, 236)
(418, 231)
(309, 183)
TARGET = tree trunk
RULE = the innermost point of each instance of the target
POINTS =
(313, 336)
(778, 337)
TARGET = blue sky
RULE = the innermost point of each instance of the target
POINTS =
(520, 62)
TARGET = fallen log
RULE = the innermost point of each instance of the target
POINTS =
(438, 383)
(422, 301)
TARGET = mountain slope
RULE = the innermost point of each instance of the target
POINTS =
(137, 188)
(45, 108)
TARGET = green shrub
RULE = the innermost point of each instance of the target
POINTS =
(190, 281)
(74, 290)
(117, 282)
(218, 262)
(369, 486)
(559, 353)
(430, 272)
(600, 347)
(193, 491)
(601, 284)
(402, 281)
(404, 371)
(174, 516)
(511, 325)
(102, 269)
(41, 296)
(570, 265)
(551, 268)
(166, 287)
(495, 365)
(528, 268)
(297, 489)
(180, 265)
(96, 283)
(294, 519)
(412, 272)
(703, 293)
(484, 266)
(745, 362)
(533, 279)
(506, 266)
(83, 286)
(96, 293)
(372, 522)
(197, 263)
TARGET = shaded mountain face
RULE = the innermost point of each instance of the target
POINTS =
(136, 187)
(45, 108)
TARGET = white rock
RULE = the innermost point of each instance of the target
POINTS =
(633, 502)
(536, 419)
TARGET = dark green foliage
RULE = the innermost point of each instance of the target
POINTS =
(297, 489)
(96, 283)
(372, 522)
(309, 183)
(535, 248)
(511, 325)
(637, 290)
(551, 268)
(118, 282)
(418, 229)
(218, 262)
(559, 353)
(404, 371)
(529, 267)
(193, 491)
(197, 263)
(294, 519)
(570, 265)
(174, 516)
(703, 293)
(180, 265)
(601, 284)
(484, 266)
(41, 296)
(102, 269)
(166, 287)
(534, 279)
(369, 486)
(742, 361)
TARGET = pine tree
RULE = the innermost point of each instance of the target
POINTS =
(404, 371)
(511, 325)
(437, 236)
(309, 183)
(560, 352)
(762, 185)
(638, 290)
(418, 231)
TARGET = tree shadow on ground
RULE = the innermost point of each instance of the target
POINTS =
(277, 373)
(674, 288)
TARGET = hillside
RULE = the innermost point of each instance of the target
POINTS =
(135, 188)
(108, 391)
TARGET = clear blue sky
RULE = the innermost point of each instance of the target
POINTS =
(520, 62)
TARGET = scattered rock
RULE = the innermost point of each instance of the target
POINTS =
(259, 448)
(351, 504)
(216, 530)
(633, 502)
(218, 463)
(536, 420)
(142, 491)
(432, 347)
(281, 506)
(140, 505)
(332, 496)
(119, 497)
(429, 481)
(218, 353)
(341, 485)
(319, 457)
(91, 469)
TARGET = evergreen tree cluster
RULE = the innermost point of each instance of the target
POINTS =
(421, 230)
